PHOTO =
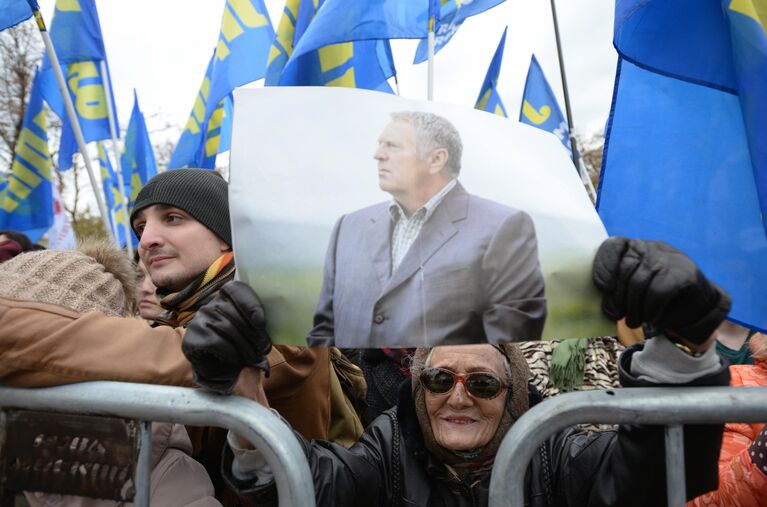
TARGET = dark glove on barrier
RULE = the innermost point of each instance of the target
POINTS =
(654, 283)
(226, 335)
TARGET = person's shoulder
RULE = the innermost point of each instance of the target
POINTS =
(371, 210)
(494, 211)
(33, 306)
(366, 214)
(383, 429)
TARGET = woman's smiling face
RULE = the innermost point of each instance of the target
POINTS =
(460, 421)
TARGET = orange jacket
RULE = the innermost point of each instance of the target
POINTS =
(741, 483)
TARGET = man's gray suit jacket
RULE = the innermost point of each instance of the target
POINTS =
(471, 276)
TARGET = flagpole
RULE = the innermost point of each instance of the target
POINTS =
(118, 165)
(573, 149)
(430, 79)
(71, 113)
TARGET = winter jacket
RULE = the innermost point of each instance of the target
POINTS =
(391, 466)
(176, 481)
(47, 345)
(741, 482)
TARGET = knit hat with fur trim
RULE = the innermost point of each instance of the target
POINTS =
(95, 277)
(200, 192)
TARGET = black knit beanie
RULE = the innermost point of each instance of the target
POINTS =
(200, 192)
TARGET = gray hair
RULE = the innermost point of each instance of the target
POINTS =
(432, 132)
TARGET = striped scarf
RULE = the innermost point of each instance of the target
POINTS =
(181, 306)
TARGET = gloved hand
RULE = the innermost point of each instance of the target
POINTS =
(226, 335)
(654, 283)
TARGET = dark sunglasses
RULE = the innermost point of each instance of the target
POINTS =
(480, 384)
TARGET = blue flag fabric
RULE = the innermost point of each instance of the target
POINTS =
(452, 14)
(289, 29)
(137, 161)
(361, 64)
(678, 165)
(488, 99)
(240, 57)
(76, 36)
(192, 150)
(218, 134)
(748, 34)
(242, 50)
(539, 105)
(13, 12)
(76, 32)
(86, 86)
(114, 201)
(26, 201)
(343, 21)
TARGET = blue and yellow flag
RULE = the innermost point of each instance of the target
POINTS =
(115, 202)
(452, 14)
(748, 34)
(13, 12)
(684, 158)
(76, 32)
(539, 105)
(239, 58)
(242, 49)
(218, 135)
(362, 64)
(200, 141)
(137, 161)
(488, 99)
(343, 21)
(289, 30)
(26, 202)
(76, 36)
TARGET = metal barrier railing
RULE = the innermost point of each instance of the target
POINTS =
(180, 405)
(670, 407)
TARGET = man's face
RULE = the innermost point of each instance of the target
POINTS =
(400, 172)
(174, 247)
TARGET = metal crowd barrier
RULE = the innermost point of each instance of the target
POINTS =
(670, 407)
(178, 405)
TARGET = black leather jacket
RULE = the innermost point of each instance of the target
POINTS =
(390, 465)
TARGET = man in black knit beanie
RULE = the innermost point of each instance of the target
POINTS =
(182, 220)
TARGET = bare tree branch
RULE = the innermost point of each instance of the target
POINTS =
(20, 50)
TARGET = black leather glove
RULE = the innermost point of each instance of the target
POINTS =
(226, 335)
(652, 282)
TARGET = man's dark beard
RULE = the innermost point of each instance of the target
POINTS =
(181, 306)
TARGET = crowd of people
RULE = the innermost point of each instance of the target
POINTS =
(410, 426)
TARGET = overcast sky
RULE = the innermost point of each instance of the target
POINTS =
(161, 48)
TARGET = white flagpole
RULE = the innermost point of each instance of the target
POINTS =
(430, 79)
(118, 165)
(73, 120)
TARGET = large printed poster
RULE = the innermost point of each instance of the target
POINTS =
(363, 219)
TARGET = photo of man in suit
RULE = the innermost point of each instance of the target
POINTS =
(435, 265)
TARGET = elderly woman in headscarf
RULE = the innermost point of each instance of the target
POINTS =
(438, 445)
